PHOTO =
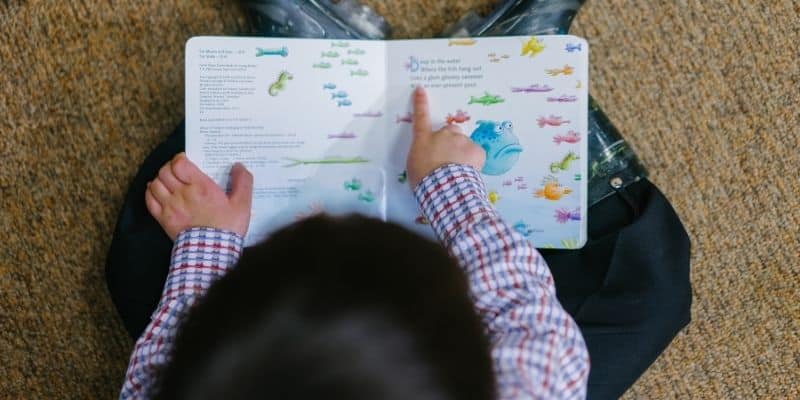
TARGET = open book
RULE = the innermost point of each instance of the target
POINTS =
(325, 125)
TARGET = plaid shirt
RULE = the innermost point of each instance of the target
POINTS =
(537, 349)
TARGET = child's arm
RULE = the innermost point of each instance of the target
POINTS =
(181, 199)
(537, 349)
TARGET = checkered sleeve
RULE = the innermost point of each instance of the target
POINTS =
(199, 257)
(537, 349)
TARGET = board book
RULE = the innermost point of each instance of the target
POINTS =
(325, 125)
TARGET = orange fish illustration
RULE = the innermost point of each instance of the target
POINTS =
(566, 70)
(551, 190)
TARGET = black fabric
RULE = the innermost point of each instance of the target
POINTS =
(628, 288)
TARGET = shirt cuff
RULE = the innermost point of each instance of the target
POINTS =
(452, 198)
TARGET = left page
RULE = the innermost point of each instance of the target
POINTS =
(296, 112)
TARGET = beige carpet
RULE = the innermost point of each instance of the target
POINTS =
(706, 91)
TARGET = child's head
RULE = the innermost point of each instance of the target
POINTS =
(334, 308)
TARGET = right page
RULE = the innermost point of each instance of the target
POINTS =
(524, 100)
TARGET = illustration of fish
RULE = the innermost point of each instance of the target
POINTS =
(322, 65)
(563, 215)
(412, 64)
(459, 117)
(339, 95)
(357, 52)
(532, 47)
(421, 220)
(330, 54)
(551, 121)
(536, 88)
(507, 183)
(340, 44)
(366, 197)
(368, 114)
(283, 52)
(573, 47)
(323, 161)
(279, 84)
(344, 103)
(566, 70)
(402, 177)
(343, 135)
(359, 72)
(563, 165)
(502, 147)
(570, 137)
(352, 185)
(329, 86)
(551, 190)
(522, 228)
(405, 118)
(487, 99)
(577, 177)
(461, 42)
(349, 61)
(562, 99)
(493, 197)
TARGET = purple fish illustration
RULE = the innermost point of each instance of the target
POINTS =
(563, 215)
(562, 99)
(342, 135)
(368, 114)
(532, 89)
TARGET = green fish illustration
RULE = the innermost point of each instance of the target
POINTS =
(327, 160)
(487, 99)
(353, 185)
(340, 44)
(349, 61)
(402, 177)
(323, 65)
(330, 54)
(279, 84)
(366, 197)
(563, 165)
(359, 72)
(357, 52)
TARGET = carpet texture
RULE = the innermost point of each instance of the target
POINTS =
(707, 92)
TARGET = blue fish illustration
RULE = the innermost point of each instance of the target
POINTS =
(340, 94)
(283, 52)
(573, 47)
(523, 228)
(500, 144)
(329, 86)
(343, 103)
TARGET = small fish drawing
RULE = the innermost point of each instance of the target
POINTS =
(563, 215)
(330, 54)
(329, 86)
(412, 64)
(349, 61)
(535, 88)
(458, 118)
(343, 135)
(551, 121)
(366, 196)
(577, 177)
(405, 118)
(344, 103)
(566, 70)
(573, 47)
(352, 185)
(368, 114)
(461, 42)
(322, 65)
(357, 52)
(562, 99)
(532, 47)
(507, 183)
(563, 165)
(522, 228)
(487, 99)
(421, 220)
(570, 137)
(340, 44)
(493, 197)
(280, 83)
(339, 95)
(402, 177)
(283, 52)
(359, 72)
(551, 190)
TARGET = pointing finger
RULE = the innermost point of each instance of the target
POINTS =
(422, 118)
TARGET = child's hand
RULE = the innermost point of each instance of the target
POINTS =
(182, 197)
(431, 150)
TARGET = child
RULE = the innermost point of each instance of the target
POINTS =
(354, 308)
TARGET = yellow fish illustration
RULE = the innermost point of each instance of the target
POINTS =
(461, 42)
(567, 70)
(532, 47)
(552, 191)
(493, 197)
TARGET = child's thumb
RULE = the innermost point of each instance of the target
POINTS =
(241, 182)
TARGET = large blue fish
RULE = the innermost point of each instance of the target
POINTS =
(500, 144)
